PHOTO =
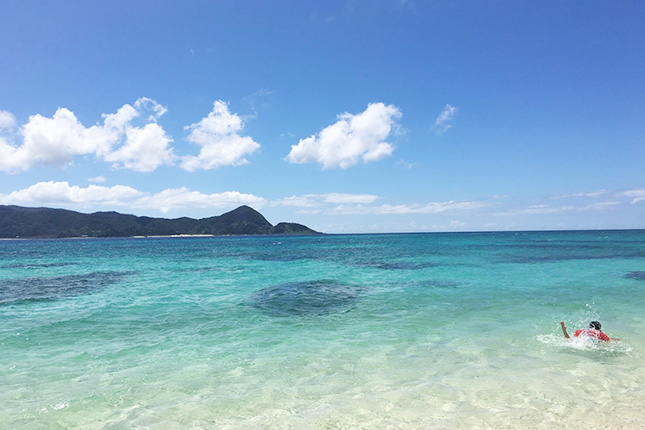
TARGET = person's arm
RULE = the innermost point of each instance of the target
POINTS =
(564, 330)
(606, 338)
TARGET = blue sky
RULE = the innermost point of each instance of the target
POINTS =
(346, 116)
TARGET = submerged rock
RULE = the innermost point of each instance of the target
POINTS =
(308, 298)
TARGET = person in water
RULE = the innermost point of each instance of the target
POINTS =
(592, 332)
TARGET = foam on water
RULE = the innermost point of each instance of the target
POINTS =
(585, 343)
(346, 332)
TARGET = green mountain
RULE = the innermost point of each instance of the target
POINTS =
(17, 221)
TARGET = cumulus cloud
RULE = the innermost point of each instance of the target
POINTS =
(144, 150)
(65, 195)
(7, 120)
(58, 139)
(61, 193)
(220, 141)
(351, 139)
(447, 115)
(180, 198)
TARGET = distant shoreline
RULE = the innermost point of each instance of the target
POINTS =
(39, 223)
(318, 234)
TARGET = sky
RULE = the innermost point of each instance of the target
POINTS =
(352, 116)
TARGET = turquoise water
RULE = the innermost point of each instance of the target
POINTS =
(438, 331)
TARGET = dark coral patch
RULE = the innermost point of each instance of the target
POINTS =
(35, 265)
(636, 275)
(308, 298)
(399, 265)
(57, 287)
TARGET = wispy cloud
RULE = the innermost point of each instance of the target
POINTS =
(575, 203)
(456, 224)
(543, 209)
(431, 208)
(255, 98)
(443, 122)
(442, 215)
(353, 138)
(419, 208)
(638, 195)
(318, 200)
(97, 180)
(405, 164)
(592, 194)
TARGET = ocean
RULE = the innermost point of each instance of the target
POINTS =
(390, 331)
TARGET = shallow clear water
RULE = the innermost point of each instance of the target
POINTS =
(437, 331)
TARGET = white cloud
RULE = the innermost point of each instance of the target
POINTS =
(144, 150)
(442, 123)
(637, 195)
(590, 194)
(97, 179)
(220, 141)
(427, 208)
(61, 193)
(431, 208)
(257, 98)
(456, 224)
(7, 123)
(406, 164)
(57, 140)
(7, 120)
(317, 200)
(348, 198)
(351, 139)
(145, 104)
(297, 201)
(542, 209)
(181, 198)
(65, 195)
(362, 204)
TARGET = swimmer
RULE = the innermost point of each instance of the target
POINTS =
(592, 332)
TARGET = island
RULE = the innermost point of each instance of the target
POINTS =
(26, 222)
